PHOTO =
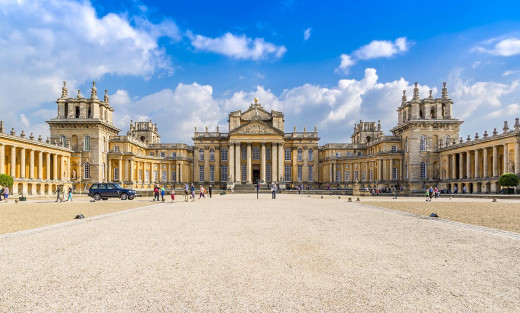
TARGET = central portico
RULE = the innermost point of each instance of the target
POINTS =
(256, 148)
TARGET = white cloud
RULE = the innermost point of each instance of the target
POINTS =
(382, 49)
(307, 34)
(505, 47)
(373, 50)
(43, 43)
(508, 73)
(237, 47)
(507, 112)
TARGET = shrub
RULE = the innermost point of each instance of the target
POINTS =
(508, 180)
(6, 180)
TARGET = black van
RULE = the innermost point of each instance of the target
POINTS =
(110, 190)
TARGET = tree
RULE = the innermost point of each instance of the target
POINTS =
(508, 180)
(6, 180)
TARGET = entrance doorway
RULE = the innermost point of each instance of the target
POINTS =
(256, 173)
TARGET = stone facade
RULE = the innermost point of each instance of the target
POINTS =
(424, 149)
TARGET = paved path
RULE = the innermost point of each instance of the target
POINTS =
(239, 254)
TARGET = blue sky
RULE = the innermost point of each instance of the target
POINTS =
(328, 64)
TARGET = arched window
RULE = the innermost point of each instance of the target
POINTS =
(423, 170)
(201, 154)
(311, 155)
(300, 155)
(62, 140)
(432, 113)
(423, 143)
(212, 154)
(86, 145)
(86, 169)
(77, 112)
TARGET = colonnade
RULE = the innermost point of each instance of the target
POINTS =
(235, 164)
(377, 171)
(131, 171)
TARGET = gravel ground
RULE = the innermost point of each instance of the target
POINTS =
(40, 212)
(237, 254)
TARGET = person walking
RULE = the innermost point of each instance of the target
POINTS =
(58, 194)
(210, 190)
(162, 193)
(186, 192)
(192, 189)
(1, 192)
(201, 192)
(69, 197)
(155, 193)
(6, 193)
(273, 190)
(172, 194)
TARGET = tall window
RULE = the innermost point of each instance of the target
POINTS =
(174, 176)
(163, 154)
(223, 173)
(371, 174)
(423, 143)
(356, 176)
(140, 175)
(268, 153)
(268, 172)
(338, 173)
(394, 173)
(147, 175)
(423, 170)
(86, 169)
(338, 154)
(311, 155)
(77, 112)
(86, 143)
(174, 154)
(244, 153)
(244, 171)
(311, 173)
(287, 154)
(256, 153)
(116, 173)
(201, 154)
(163, 176)
(201, 173)
(212, 154)
(300, 155)
(288, 173)
(300, 173)
(347, 175)
(223, 155)
(364, 175)
(155, 176)
(211, 173)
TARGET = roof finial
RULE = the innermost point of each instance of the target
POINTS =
(64, 91)
(93, 91)
(105, 98)
(416, 92)
(431, 94)
(444, 91)
(79, 93)
(404, 98)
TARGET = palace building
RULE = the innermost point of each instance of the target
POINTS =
(424, 149)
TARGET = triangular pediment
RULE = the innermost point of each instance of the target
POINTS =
(256, 113)
(256, 128)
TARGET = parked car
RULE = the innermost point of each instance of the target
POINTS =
(110, 190)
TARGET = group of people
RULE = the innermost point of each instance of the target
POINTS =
(4, 191)
(189, 192)
(60, 194)
(432, 192)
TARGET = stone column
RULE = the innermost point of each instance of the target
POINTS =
(40, 165)
(468, 165)
(31, 164)
(333, 172)
(48, 170)
(231, 161)
(22, 163)
(13, 162)
(238, 168)
(281, 162)
(55, 167)
(131, 170)
(294, 165)
(461, 165)
(2, 159)
(62, 167)
(178, 171)
(495, 161)
(390, 165)
(477, 165)
(196, 171)
(385, 170)
(217, 164)
(453, 166)
(485, 163)
(305, 169)
(109, 171)
(248, 168)
(517, 158)
(506, 159)
(262, 163)
(274, 164)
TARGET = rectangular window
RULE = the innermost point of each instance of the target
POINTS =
(116, 173)
(174, 176)
(155, 176)
(268, 153)
(163, 176)
(288, 172)
(268, 172)
(338, 173)
(116, 148)
(300, 173)
(87, 171)
(201, 173)
(338, 154)
(349, 153)
(311, 173)
(356, 176)
(394, 148)
(223, 155)
(244, 172)
(394, 173)
(223, 173)
(87, 143)
(212, 155)
(150, 153)
(347, 175)
(163, 154)
(364, 175)
(174, 154)
(211, 173)
(147, 175)
(371, 175)
(140, 175)
(256, 153)
(287, 154)
(244, 153)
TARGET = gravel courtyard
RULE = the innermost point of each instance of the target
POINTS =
(235, 253)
